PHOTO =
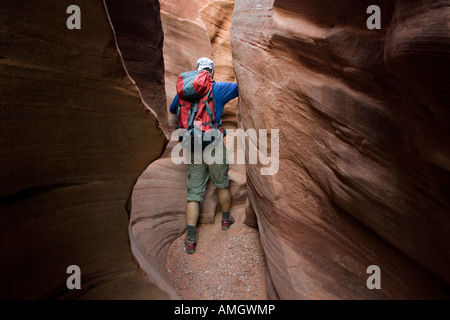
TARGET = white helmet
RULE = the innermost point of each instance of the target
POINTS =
(205, 63)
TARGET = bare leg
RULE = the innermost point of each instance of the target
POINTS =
(192, 213)
(224, 199)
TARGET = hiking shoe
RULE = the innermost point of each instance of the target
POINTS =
(226, 223)
(190, 245)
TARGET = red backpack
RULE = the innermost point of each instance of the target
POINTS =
(196, 117)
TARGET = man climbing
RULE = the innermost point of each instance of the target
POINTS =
(199, 173)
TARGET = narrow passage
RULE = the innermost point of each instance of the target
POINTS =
(227, 265)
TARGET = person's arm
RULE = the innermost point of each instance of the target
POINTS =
(226, 91)
(174, 105)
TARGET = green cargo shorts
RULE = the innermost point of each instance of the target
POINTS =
(198, 174)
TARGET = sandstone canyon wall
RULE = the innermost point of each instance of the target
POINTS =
(364, 148)
(76, 132)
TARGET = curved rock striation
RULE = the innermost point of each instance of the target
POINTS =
(137, 26)
(75, 136)
(364, 156)
(216, 15)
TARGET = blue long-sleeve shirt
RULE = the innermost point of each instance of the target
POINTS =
(222, 93)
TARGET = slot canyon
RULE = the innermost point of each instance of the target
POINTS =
(362, 174)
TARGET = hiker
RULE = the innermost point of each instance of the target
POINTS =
(199, 173)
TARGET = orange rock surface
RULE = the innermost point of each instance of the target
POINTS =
(364, 153)
(76, 133)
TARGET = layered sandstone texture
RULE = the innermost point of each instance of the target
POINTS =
(364, 153)
(76, 133)
(138, 32)
(216, 15)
